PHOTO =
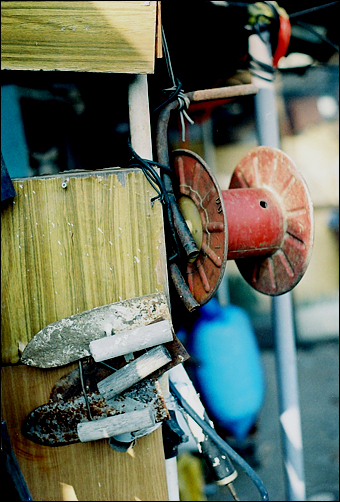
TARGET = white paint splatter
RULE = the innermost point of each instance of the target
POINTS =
(216, 462)
(59, 243)
(100, 230)
(110, 243)
(137, 260)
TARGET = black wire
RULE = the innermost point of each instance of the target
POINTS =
(222, 444)
(172, 97)
(156, 182)
(311, 9)
(316, 33)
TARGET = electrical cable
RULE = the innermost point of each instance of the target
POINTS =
(157, 183)
(309, 28)
(225, 447)
(178, 92)
(172, 96)
(311, 9)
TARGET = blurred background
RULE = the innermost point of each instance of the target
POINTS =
(56, 121)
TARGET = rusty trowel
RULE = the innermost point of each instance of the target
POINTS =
(57, 422)
(106, 396)
(69, 339)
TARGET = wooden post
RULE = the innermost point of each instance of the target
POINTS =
(64, 252)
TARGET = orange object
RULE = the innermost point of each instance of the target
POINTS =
(284, 37)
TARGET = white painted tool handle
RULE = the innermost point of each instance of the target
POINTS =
(113, 426)
(131, 341)
(134, 372)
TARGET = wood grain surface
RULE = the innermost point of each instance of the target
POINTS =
(89, 36)
(81, 471)
(66, 250)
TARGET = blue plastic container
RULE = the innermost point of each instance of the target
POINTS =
(229, 372)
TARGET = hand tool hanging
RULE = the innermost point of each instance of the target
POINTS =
(106, 396)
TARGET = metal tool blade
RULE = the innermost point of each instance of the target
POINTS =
(67, 340)
(55, 423)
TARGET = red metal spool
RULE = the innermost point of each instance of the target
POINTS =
(270, 221)
(200, 200)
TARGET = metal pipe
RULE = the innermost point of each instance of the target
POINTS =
(231, 91)
(181, 227)
(266, 117)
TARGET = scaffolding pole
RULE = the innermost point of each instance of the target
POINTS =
(266, 117)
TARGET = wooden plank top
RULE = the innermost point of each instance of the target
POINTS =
(93, 36)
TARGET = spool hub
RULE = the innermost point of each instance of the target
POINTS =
(272, 169)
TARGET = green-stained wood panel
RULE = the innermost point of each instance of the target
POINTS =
(89, 36)
(66, 250)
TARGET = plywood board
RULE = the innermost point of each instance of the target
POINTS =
(66, 250)
(81, 471)
(89, 36)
